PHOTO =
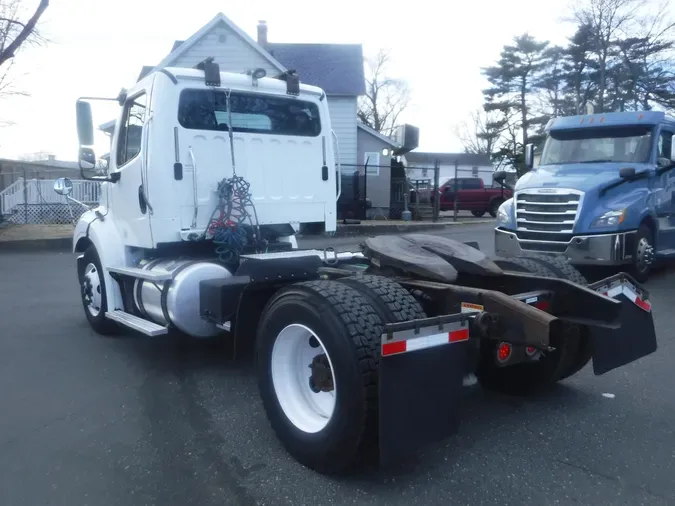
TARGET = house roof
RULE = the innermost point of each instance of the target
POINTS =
(425, 158)
(387, 140)
(336, 68)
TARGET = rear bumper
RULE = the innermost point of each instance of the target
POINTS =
(606, 249)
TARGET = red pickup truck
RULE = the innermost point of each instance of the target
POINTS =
(472, 195)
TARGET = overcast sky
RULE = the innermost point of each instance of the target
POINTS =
(99, 47)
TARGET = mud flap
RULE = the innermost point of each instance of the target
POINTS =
(420, 383)
(635, 338)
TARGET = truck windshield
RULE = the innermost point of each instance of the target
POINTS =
(625, 144)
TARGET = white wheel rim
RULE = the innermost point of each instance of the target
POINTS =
(91, 279)
(292, 355)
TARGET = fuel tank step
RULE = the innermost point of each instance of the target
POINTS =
(150, 275)
(135, 323)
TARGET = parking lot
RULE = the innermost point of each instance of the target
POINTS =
(133, 420)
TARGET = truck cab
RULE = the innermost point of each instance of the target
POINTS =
(602, 193)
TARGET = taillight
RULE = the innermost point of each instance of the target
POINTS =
(504, 352)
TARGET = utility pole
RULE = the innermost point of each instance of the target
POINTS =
(436, 202)
(454, 197)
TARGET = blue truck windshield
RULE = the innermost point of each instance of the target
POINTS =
(631, 144)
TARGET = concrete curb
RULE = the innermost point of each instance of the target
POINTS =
(36, 245)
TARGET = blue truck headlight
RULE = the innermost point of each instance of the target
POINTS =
(503, 213)
(610, 218)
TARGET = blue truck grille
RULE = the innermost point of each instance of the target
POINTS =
(546, 216)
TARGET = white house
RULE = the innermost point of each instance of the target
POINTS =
(420, 166)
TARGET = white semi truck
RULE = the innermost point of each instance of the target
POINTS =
(355, 351)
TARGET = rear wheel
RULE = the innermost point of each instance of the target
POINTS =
(392, 302)
(571, 351)
(317, 359)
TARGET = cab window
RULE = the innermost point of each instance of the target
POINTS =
(665, 144)
(129, 140)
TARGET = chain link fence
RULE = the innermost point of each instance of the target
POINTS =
(34, 201)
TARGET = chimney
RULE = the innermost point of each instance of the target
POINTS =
(262, 33)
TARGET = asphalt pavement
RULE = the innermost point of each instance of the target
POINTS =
(129, 420)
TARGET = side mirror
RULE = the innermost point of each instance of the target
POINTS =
(85, 124)
(663, 162)
(529, 156)
(499, 176)
(87, 160)
(627, 172)
(63, 186)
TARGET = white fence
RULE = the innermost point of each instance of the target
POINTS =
(35, 201)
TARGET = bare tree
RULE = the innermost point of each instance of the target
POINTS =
(18, 28)
(386, 97)
(480, 134)
(607, 20)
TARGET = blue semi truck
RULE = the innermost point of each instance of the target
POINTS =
(603, 193)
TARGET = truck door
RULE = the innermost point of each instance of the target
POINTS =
(665, 203)
(127, 158)
(473, 196)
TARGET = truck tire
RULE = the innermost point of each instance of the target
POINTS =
(392, 302)
(525, 265)
(566, 271)
(571, 352)
(561, 268)
(318, 350)
(93, 293)
(494, 207)
(643, 253)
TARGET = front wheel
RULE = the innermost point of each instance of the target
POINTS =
(93, 293)
(494, 207)
(643, 254)
(317, 360)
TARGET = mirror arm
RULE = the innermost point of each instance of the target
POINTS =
(89, 208)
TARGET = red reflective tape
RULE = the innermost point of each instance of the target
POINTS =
(643, 304)
(458, 335)
(393, 348)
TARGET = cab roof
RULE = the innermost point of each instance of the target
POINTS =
(632, 118)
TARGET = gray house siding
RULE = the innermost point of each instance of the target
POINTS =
(378, 184)
(230, 51)
(343, 119)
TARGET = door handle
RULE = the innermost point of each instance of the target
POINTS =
(141, 200)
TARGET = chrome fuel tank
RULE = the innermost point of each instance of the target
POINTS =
(176, 301)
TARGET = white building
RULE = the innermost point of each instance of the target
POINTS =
(420, 166)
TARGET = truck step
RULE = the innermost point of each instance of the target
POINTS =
(134, 322)
(153, 275)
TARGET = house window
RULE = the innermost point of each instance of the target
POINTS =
(251, 113)
(372, 160)
(474, 171)
(129, 140)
